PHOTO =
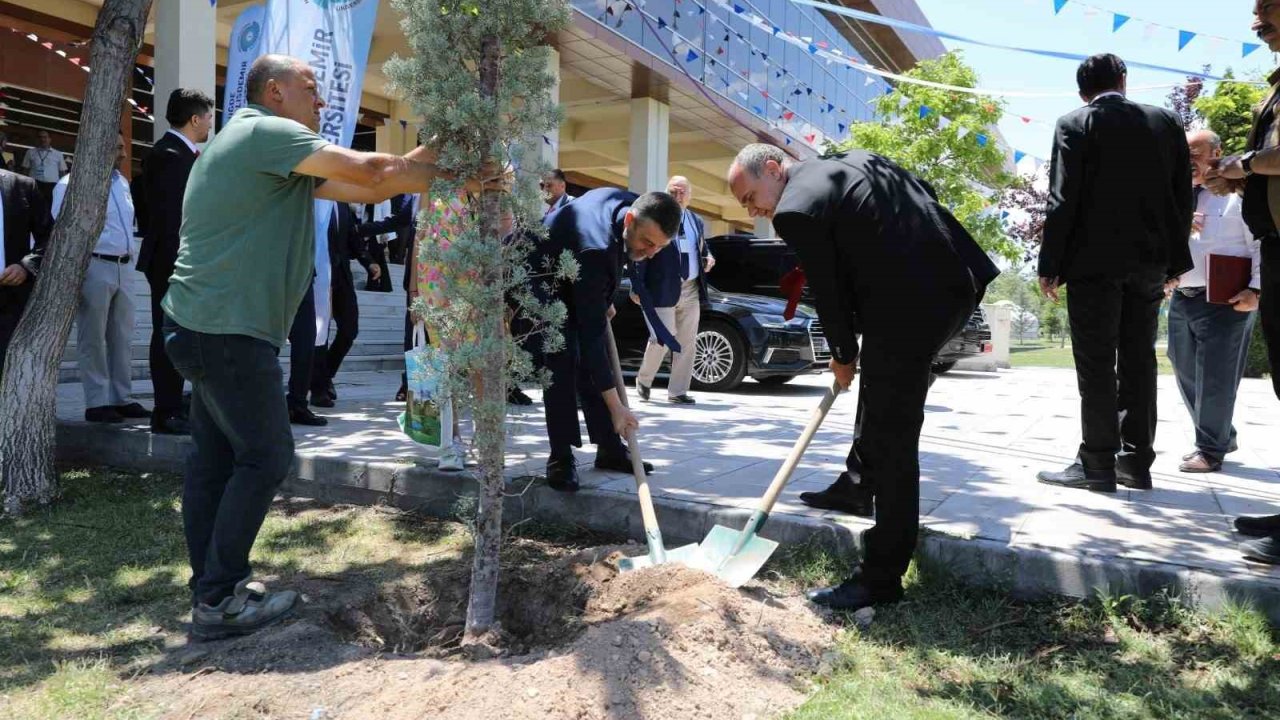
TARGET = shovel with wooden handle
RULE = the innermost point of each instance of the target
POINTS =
(735, 556)
(658, 553)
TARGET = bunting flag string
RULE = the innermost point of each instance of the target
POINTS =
(1185, 36)
(926, 30)
(48, 45)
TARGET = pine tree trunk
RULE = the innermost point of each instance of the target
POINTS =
(29, 385)
(490, 416)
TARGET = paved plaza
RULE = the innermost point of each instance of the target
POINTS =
(985, 437)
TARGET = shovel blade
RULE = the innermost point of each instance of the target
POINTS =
(688, 555)
(734, 569)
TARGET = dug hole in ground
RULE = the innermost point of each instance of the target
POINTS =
(579, 640)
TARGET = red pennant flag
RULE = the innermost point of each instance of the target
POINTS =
(792, 285)
(788, 115)
(74, 60)
(47, 45)
(810, 138)
(1026, 119)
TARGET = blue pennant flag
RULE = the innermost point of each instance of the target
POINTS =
(1058, 5)
(840, 126)
(1017, 156)
(982, 140)
(1249, 48)
(1184, 37)
(830, 107)
(691, 56)
(758, 110)
(786, 141)
(1120, 20)
(776, 29)
(662, 24)
(888, 89)
(1004, 214)
(924, 111)
(813, 49)
(738, 8)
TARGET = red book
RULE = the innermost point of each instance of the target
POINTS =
(1226, 276)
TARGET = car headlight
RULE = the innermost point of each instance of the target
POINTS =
(777, 322)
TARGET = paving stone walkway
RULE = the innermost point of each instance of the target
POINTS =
(985, 436)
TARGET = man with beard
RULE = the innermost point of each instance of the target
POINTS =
(885, 259)
(600, 229)
(1256, 175)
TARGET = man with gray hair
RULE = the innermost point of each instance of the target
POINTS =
(1209, 342)
(245, 261)
(886, 260)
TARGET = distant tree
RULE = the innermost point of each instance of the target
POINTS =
(1025, 202)
(1182, 101)
(964, 170)
(1053, 324)
(1228, 111)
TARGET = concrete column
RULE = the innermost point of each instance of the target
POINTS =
(186, 47)
(650, 138)
(764, 227)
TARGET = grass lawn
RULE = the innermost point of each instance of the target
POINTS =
(1042, 353)
(94, 587)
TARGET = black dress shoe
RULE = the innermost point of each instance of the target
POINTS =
(402, 394)
(1077, 478)
(642, 390)
(619, 463)
(1139, 480)
(1261, 526)
(682, 400)
(103, 414)
(321, 399)
(331, 390)
(1263, 550)
(562, 475)
(843, 495)
(133, 411)
(516, 396)
(304, 416)
(854, 594)
(170, 425)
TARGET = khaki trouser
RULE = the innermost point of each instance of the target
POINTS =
(104, 325)
(682, 321)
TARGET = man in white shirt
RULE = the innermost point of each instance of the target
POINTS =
(1208, 342)
(44, 164)
(104, 318)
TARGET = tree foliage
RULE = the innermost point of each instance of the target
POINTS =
(478, 76)
(965, 172)
(1228, 111)
(1182, 100)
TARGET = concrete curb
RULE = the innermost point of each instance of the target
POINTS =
(1023, 572)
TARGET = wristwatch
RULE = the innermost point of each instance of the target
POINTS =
(1246, 162)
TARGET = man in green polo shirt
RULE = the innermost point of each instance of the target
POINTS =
(244, 264)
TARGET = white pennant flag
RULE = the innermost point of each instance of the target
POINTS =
(944, 123)
(961, 133)
(1149, 31)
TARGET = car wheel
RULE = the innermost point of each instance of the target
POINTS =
(720, 357)
(776, 379)
(942, 367)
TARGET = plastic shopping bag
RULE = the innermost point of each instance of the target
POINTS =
(428, 416)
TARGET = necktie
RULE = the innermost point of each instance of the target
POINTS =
(684, 255)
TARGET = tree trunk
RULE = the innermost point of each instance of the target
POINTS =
(490, 414)
(29, 385)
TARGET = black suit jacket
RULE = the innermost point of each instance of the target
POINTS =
(27, 225)
(880, 253)
(1119, 193)
(164, 177)
(404, 224)
(345, 244)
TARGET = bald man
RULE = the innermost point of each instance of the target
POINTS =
(677, 283)
(1208, 342)
(245, 261)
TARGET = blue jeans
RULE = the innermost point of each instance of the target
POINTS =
(1208, 345)
(243, 450)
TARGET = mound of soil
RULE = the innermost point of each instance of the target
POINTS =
(579, 641)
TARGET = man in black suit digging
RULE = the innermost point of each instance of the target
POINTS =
(164, 179)
(885, 259)
(1119, 216)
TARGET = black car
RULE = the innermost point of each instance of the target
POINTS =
(748, 264)
(739, 336)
